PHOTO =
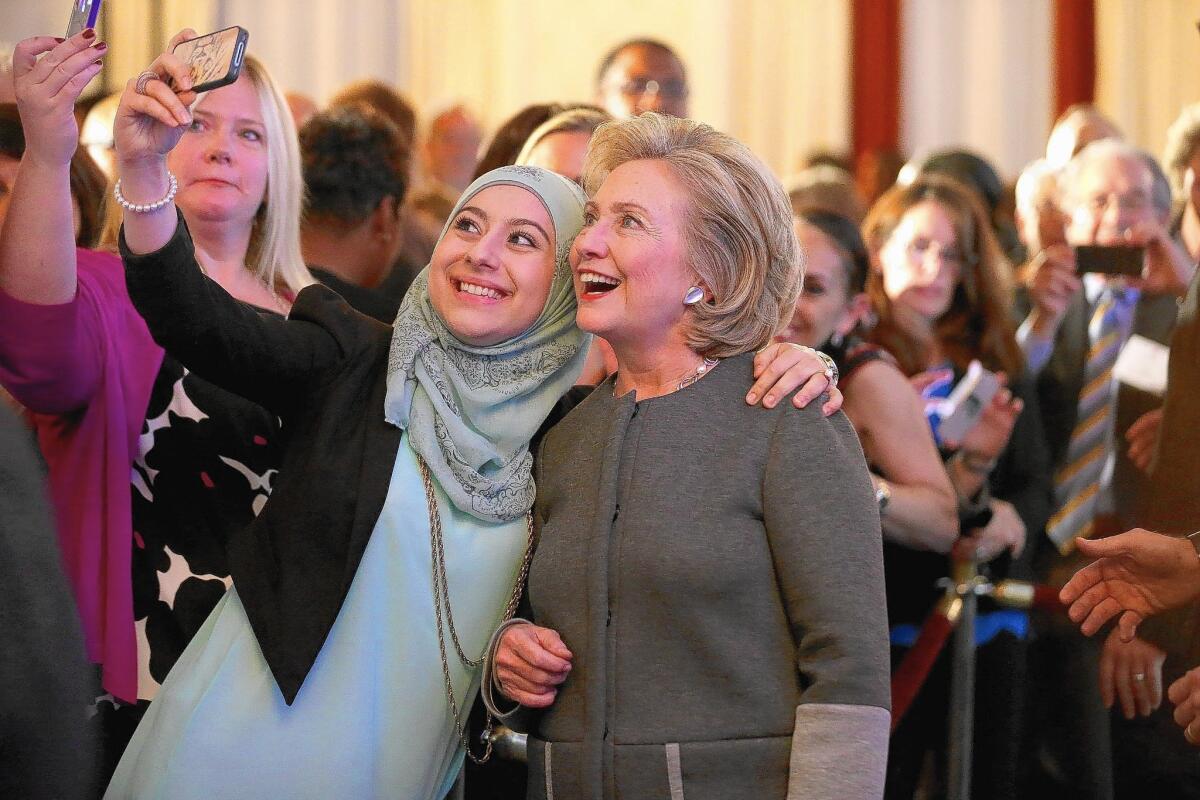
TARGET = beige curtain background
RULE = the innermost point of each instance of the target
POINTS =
(977, 74)
(1148, 64)
(775, 73)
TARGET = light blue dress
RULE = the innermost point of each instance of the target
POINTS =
(371, 719)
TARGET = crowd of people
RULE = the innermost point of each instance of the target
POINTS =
(345, 420)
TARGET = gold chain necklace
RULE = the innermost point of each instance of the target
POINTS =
(441, 600)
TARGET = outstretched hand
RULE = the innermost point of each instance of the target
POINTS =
(47, 89)
(1137, 574)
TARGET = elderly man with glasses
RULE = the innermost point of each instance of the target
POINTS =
(1111, 194)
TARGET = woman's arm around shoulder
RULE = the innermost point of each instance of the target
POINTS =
(260, 356)
(822, 524)
(890, 421)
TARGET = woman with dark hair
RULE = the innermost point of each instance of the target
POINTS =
(941, 288)
(977, 174)
(916, 501)
(87, 181)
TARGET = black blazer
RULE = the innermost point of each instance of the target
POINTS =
(323, 371)
(1061, 381)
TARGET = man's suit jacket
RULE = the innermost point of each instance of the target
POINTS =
(1061, 381)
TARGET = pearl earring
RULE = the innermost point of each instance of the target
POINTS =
(694, 295)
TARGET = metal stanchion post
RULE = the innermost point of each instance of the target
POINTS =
(968, 584)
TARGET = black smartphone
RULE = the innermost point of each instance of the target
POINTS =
(1123, 260)
(215, 58)
(83, 15)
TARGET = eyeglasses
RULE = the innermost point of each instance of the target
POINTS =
(1130, 202)
(639, 87)
(920, 248)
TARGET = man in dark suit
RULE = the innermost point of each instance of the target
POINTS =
(1111, 193)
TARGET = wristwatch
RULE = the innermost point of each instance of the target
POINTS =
(883, 494)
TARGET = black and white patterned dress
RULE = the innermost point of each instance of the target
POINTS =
(205, 466)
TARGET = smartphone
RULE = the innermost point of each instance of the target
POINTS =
(960, 412)
(83, 15)
(215, 58)
(1124, 260)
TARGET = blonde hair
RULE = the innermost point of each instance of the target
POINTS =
(573, 120)
(1183, 137)
(274, 252)
(740, 238)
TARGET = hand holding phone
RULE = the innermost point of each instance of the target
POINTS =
(961, 411)
(1119, 260)
(215, 59)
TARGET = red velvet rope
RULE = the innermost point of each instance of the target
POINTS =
(910, 676)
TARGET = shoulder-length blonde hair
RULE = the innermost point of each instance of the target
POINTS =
(274, 252)
(739, 232)
(978, 324)
(584, 119)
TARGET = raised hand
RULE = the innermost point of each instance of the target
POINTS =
(1169, 268)
(987, 440)
(47, 89)
(1052, 282)
(150, 123)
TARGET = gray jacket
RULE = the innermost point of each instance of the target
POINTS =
(717, 571)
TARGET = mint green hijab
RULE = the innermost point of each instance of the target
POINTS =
(471, 411)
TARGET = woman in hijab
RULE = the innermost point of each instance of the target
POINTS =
(342, 661)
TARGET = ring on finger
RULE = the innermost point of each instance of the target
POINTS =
(831, 368)
(1190, 735)
(144, 78)
(1140, 677)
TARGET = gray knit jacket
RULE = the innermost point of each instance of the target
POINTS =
(716, 570)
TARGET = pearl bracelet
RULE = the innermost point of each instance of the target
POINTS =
(146, 208)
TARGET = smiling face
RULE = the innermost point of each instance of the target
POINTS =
(922, 260)
(490, 274)
(221, 162)
(630, 260)
(825, 305)
(562, 153)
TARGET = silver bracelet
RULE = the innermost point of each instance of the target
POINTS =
(146, 208)
(831, 368)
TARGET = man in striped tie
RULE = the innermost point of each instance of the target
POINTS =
(1111, 193)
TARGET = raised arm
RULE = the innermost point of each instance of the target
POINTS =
(50, 354)
(265, 358)
(823, 529)
(37, 246)
(262, 357)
